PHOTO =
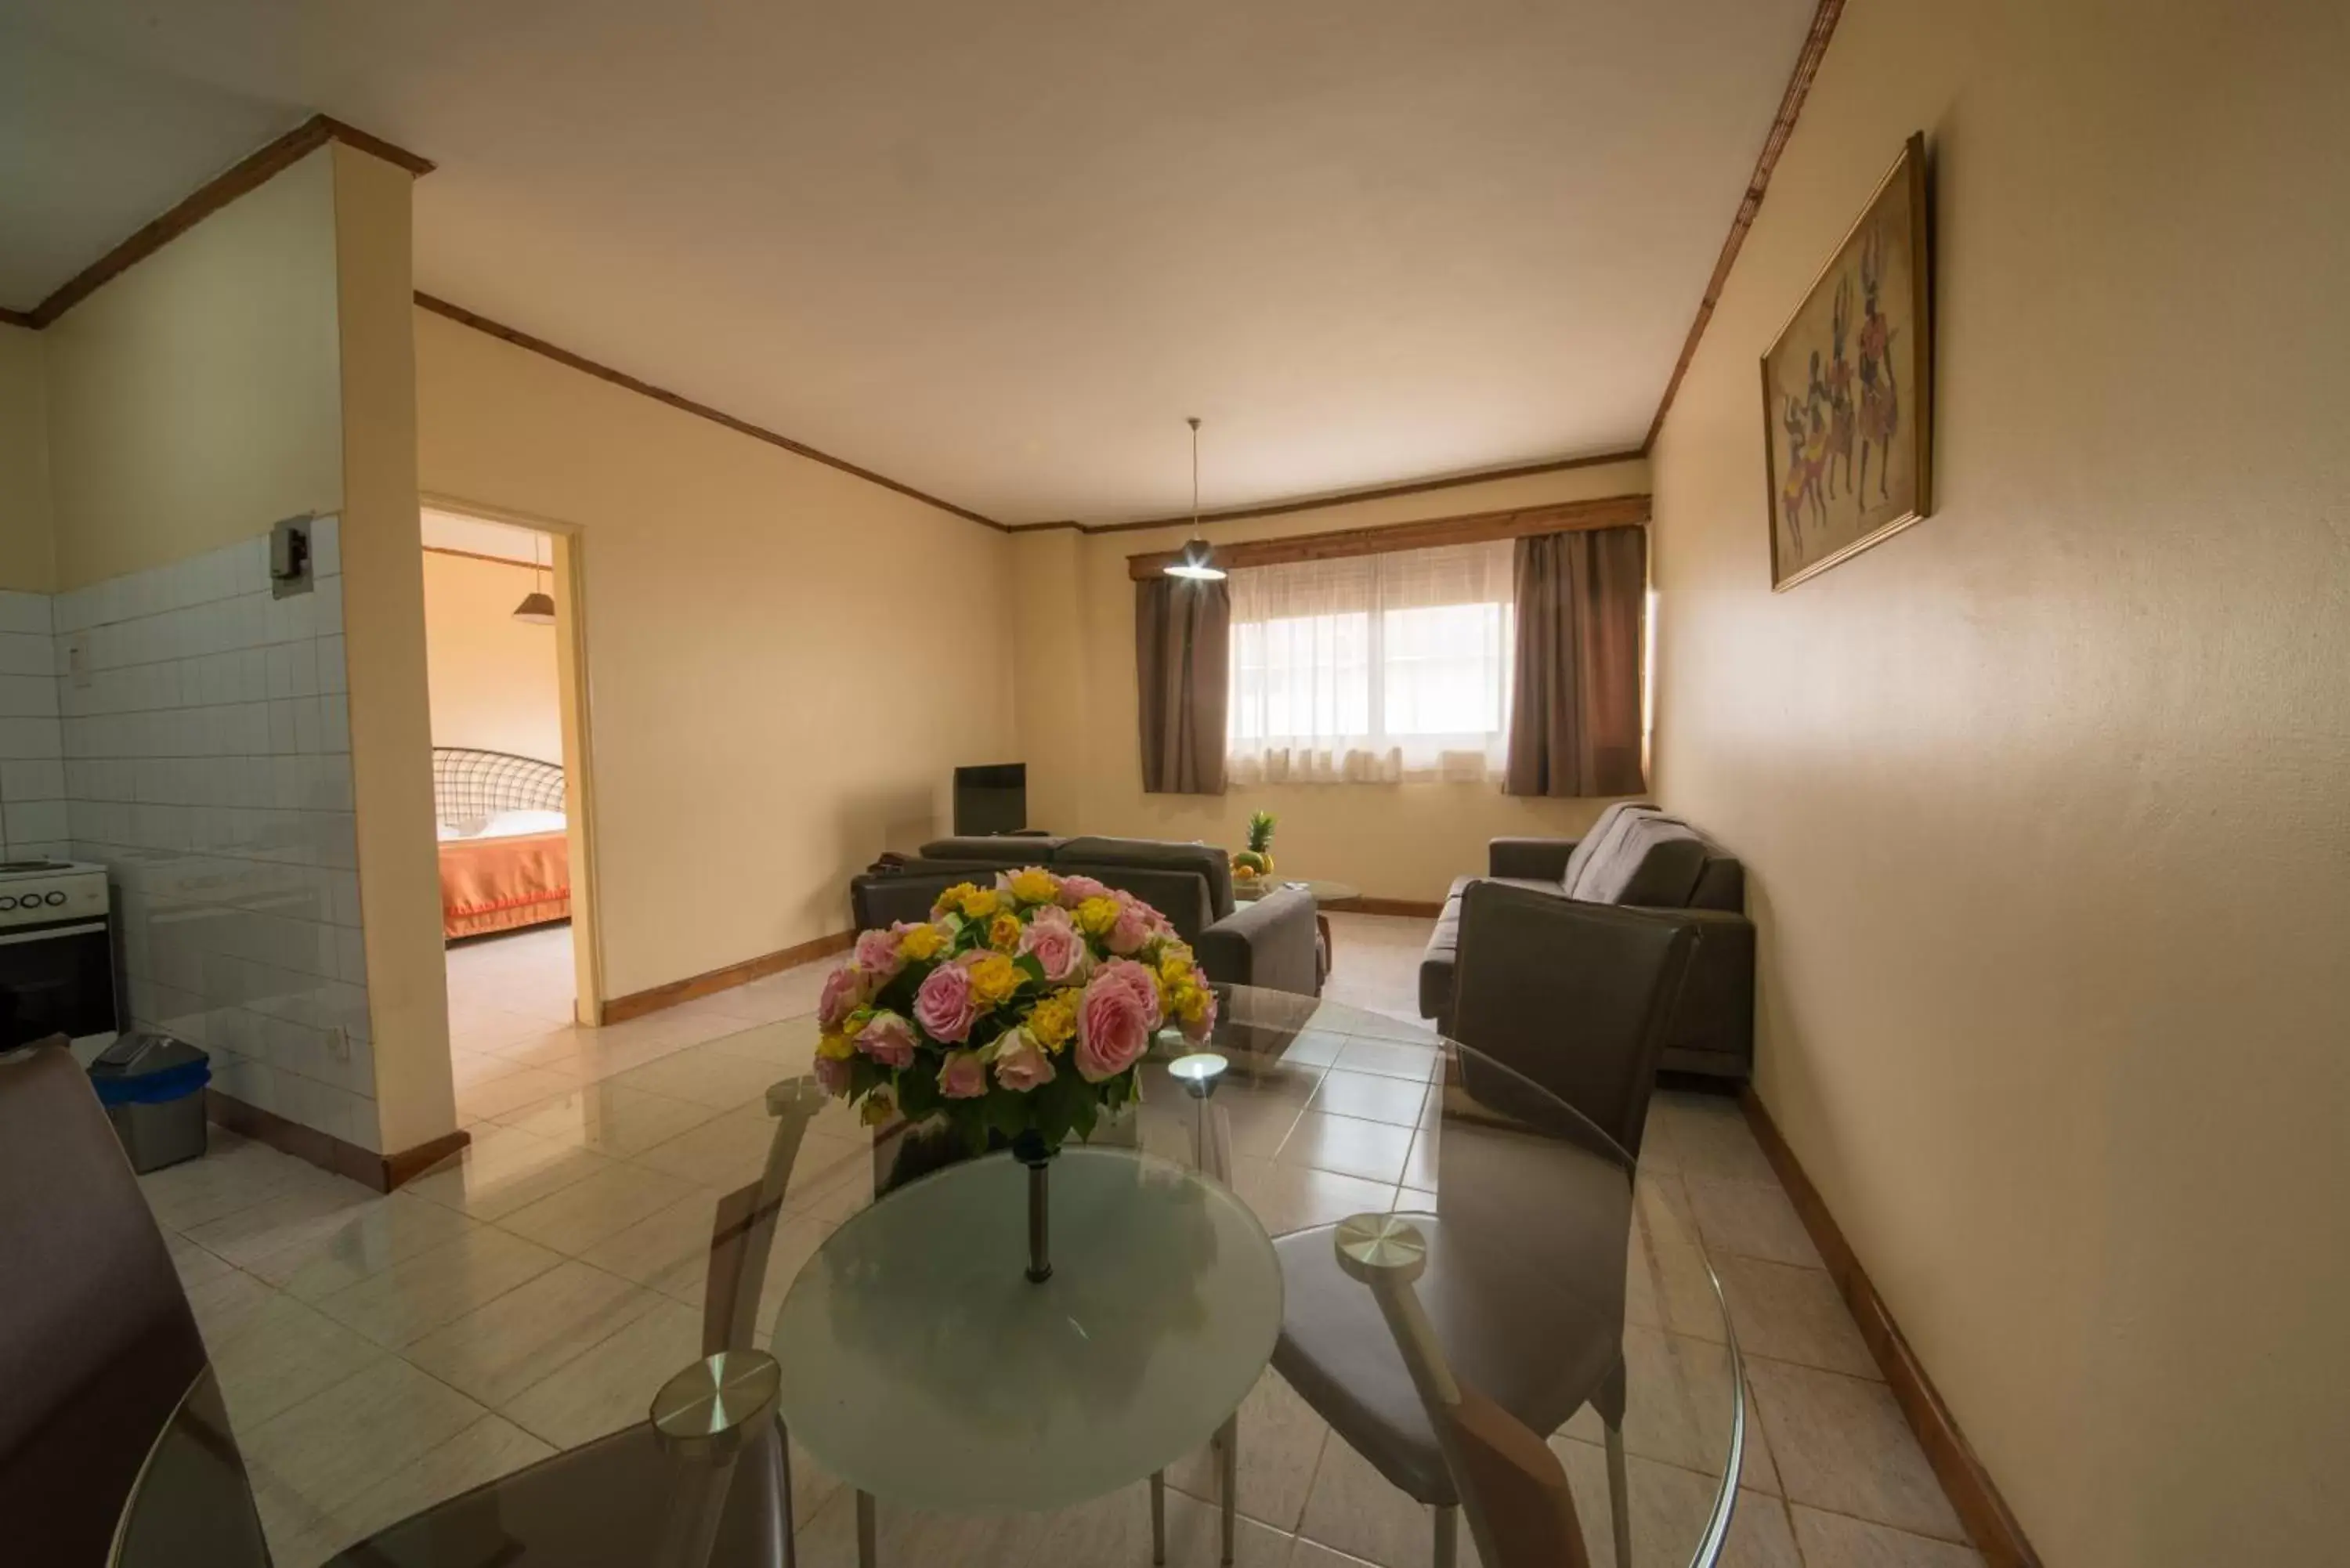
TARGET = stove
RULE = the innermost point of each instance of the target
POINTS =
(57, 955)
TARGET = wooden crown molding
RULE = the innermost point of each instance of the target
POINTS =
(1476, 528)
(1791, 104)
(1338, 497)
(1992, 1526)
(580, 362)
(248, 174)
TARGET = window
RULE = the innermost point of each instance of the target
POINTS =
(1372, 669)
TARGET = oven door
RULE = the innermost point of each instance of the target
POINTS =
(56, 979)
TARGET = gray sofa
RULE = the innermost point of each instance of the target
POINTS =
(1272, 942)
(1634, 857)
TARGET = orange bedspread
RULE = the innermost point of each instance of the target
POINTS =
(498, 884)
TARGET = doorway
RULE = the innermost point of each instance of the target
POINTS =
(502, 645)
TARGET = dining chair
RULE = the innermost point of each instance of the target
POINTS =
(1526, 1255)
(112, 1400)
(1511, 1485)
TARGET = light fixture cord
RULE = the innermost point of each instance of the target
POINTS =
(1194, 423)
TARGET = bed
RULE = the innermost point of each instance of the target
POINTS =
(505, 855)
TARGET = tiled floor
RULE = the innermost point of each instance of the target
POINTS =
(380, 1352)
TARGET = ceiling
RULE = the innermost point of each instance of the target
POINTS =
(995, 252)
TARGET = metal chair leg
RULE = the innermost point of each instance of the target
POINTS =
(869, 1546)
(1448, 1536)
(1619, 1508)
(1228, 1480)
(1159, 1517)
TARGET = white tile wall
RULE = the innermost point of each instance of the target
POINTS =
(206, 761)
(33, 815)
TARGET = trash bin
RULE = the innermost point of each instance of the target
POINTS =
(152, 1086)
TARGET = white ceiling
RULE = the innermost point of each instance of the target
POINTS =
(997, 252)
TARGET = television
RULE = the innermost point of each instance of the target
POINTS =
(990, 799)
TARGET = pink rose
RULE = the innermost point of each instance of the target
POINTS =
(1052, 940)
(833, 1074)
(964, 1077)
(1133, 928)
(1075, 890)
(944, 1006)
(1020, 1062)
(1115, 1018)
(888, 1040)
(877, 956)
(844, 994)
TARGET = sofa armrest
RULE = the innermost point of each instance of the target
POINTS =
(1538, 859)
(876, 901)
(1272, 943)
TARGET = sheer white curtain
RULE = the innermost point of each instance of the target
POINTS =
(1372, 669)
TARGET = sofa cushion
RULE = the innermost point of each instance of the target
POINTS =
(1590, 844)
(994, 849)
(1205, 861)
(1653, 862)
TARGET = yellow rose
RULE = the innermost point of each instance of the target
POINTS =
(978, 903)
(1174, 967)
(837, 1047)
(953, 897)
(1035, 885)
(879, 1107)
(1054, 1020)
(1190, 1003)
(1096, 915)
(1003, 932)
(921, 942)
(993, 979)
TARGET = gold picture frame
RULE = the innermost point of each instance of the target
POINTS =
(1850, 377)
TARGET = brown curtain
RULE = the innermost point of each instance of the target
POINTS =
(1182, 651)
(1574, 722)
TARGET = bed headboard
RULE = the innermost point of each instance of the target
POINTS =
(469, 784)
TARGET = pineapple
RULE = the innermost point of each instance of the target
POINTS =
(1256, 860)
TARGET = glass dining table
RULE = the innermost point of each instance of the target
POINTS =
(1195, 1365)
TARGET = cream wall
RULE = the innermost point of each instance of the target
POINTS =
(785, 661)
(198, 396)
(2044, 799)
(493, 676)
(1079, 724)
(28, 549)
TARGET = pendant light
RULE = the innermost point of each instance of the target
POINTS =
(538, 605)
(1197, 562)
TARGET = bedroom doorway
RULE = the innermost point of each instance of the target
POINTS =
(501, 655)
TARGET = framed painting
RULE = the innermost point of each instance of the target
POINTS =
(1848, 407)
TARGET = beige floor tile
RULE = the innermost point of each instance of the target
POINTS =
(1750, 1220)
(479, 1027)
(586, 1211)
(1371, 1151)
(726, 1151)
(1676, 1288)
(786, 1041)
(1793, 1315)
(610, 1118)
(280, 1353)
(1281, 1441)
(612, 1386)
(1313, 1554)
(233, 1174)
(1670, 1508)
(1388, 1059)
(378, 1235)
(408, 1300)
(1710, 1138)
(1833, 1541)
(1841, 1444)
(497, 1350)
(196, 1267)
(705, 1076)
(225, 1303)
(503, 1169)
(1287, 1198)
(299, 1213)
(470, 1067)
(488, 1449)
(1365, 1096)
(678, 1233)
(1113, 1531)
(1355, 1510)
(798, 1236)
(335, 1445)
(1257, 1124)
(1677, 1409)
(494, 1098)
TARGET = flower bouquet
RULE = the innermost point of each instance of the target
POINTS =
(1015, 1014)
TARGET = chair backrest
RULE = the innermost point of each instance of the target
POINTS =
(743, 1233)
(98, 1348)
(1511, 1485)
(1578, 998)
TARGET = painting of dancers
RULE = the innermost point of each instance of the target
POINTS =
(1846, 390)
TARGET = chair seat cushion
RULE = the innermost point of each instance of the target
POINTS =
(1538, 1351)
(602, 1504)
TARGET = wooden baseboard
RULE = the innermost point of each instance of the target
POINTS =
(637, 1004)
(1996, 1532)
(1419, 909)
(383, 1172)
